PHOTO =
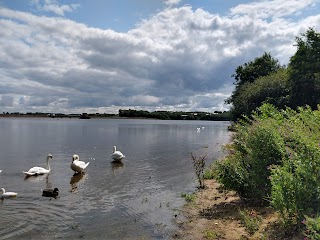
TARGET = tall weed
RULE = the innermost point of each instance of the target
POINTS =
(199, 163)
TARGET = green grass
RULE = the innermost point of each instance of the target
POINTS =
(189, 197)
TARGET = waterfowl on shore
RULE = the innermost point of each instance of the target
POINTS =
(7, 194)
(39, 170)
(78, 166)
(116, 155)
(49, 192)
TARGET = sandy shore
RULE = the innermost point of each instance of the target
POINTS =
(215, 214)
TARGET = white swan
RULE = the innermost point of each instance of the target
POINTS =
(39, 170)
(116, 155)
(78, 166)
(7, 194)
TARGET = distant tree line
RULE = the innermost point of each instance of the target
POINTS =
(264, 80)
(168, 115)
(165, 115)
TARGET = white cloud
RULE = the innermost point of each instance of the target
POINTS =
(274, 8)
(142, 100)
(172, 2)
(179, 59)
(54, 6)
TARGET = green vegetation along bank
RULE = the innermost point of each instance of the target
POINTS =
(274, 159)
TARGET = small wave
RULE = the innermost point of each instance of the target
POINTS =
(32, 215)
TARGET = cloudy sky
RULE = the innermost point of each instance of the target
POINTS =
(101, 56)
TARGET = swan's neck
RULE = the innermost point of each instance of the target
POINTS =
(48, 165)
(3, 190)
(114, 148)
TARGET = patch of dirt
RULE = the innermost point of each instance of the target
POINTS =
(215, 215)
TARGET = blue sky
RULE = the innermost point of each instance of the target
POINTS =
(120, 15)
(102, 56)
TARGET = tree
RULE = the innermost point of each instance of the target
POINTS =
(272, 88)
(247, 74)
(260, 67)
(304, 71)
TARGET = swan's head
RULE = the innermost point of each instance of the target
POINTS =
(55, 190)
(2, 190)
(75, 157)
(49, 156)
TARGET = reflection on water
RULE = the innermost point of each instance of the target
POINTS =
(38, 178)
(117, 166)
(74, 180)
(133, 199)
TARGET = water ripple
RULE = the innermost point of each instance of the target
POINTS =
(31, 215)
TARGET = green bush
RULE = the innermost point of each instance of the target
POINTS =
(312, 227)
(256, 146)
(275, 155)
(209, 172)
(250, 220)
(296, 182)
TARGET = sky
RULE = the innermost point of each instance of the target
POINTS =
(99, 56)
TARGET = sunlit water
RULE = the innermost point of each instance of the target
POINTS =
(135, 200)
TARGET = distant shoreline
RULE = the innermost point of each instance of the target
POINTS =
(96, 117)
(66, 116)
(72, 117)
(133, 115)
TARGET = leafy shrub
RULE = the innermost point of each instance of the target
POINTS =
(257, 145)
(296, 182)
(275, 155)
(312, 227)
(250, 220)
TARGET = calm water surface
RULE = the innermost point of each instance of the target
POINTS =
(134, 200)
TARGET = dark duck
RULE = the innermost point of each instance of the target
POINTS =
(49, 192)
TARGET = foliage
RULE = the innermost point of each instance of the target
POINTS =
(168, 115)
(312, 227)
(250, 220)
(256, 146)
(276, 156)
(249, 73)
(261, 66)
(295, 183)
(272, 88)
(199, 165)
(264, 80)
(305, 72)
(188, 197)
(209, 172)
(210, 234)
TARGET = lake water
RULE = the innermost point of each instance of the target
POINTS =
(135, 200)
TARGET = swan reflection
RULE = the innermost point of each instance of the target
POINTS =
(38, 178)
(116, 166)
(74, 180)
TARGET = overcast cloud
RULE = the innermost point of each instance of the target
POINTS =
(179, 59)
